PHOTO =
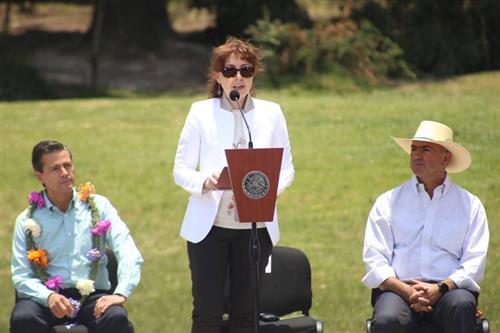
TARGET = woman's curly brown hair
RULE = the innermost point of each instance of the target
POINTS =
(244, 50)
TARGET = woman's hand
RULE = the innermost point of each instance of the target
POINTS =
(211, 182)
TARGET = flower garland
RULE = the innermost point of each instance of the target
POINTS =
(39, 257)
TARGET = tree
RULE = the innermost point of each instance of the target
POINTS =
(441, 37)
(6, 18)
(142, 23)
(233, 17)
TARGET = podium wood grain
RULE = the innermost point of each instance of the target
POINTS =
(243, 161)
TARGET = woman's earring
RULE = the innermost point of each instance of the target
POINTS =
(219, 92)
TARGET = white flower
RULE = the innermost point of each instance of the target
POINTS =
(85, 287)
(32, 226)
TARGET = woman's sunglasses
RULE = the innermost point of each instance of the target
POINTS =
(231, 71)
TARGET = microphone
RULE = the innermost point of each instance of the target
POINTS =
(234, 95)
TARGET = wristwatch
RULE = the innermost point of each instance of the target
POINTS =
(443, 287)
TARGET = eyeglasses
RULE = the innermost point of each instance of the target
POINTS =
(231, 71)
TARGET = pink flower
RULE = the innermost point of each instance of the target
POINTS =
(54, 283)
(101, 228)
(36, 198)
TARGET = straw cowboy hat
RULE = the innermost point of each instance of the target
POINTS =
(431, 131)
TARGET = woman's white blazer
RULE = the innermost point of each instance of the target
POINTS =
(207, 131)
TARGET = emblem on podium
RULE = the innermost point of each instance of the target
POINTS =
(255, 185)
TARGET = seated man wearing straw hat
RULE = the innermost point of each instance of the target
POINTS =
(426, 241)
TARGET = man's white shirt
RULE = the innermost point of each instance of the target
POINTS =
(411, 236)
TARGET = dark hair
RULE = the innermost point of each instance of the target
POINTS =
(45, 147)
(220, 54)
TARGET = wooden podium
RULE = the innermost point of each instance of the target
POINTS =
(253, 175)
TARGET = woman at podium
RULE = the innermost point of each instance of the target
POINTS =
(217, 243)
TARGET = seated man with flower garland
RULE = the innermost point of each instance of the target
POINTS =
(58, 261)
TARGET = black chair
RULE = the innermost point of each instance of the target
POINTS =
(285, 291)
(112, 267)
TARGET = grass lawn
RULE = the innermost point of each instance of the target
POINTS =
(343, 156)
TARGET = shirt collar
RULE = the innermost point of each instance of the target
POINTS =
(441, 190)
(418, 186)
(446, 185)
(249, 105)
(50, 206)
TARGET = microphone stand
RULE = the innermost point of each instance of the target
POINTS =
(254, 253)
(254, 244)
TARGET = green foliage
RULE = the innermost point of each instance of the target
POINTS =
(440, 37)
(373, 54)
(232, 18)
(20, 81)
(361, 49)
(343, 156)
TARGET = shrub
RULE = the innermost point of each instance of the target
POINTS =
(440, 37)
(361, 49)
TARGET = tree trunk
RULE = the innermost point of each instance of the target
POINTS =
(142, 23)
(96, 43)
(6, 19)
